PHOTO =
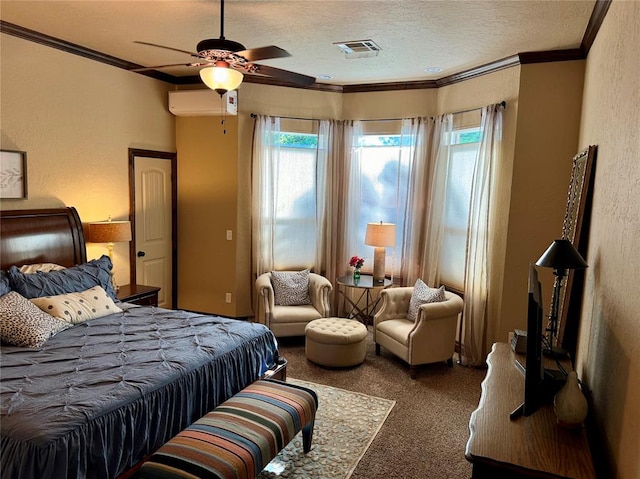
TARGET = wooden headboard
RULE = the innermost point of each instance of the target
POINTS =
(41, 236)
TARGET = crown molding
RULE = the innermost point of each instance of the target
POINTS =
(262, 80)
(595, 21)
(390, 86)
(53, 42)
(491, 67)
(600, 10)
(551, 56)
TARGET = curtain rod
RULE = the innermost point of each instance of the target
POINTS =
(503, 103)
(254, 115)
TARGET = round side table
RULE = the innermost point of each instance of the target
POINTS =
(366, 283)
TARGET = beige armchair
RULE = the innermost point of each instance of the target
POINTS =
(291, 320)
(431, 338)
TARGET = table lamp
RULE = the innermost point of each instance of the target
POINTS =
(380, 235)
(109, 232)
(562, 256)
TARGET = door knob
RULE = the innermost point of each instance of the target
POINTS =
(141, 254)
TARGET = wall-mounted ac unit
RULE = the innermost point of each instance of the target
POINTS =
(202, 103)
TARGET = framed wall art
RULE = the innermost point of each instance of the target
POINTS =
(13, 174)
(575, 228)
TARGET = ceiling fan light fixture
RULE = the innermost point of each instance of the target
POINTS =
(221, 78)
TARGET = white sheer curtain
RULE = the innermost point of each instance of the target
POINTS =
(264, 188)
(415, 139)
(476, 288)
(353, 195)
(426, 197)
(289, 187)
(337, 137)
(324, 208)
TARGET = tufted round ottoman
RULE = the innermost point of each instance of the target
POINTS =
(336, 342)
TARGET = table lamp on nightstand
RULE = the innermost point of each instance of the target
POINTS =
(109, 232)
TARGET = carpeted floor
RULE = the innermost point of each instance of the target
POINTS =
(346, 423)
(425, 435)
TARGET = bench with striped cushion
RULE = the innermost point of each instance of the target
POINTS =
(241, 436)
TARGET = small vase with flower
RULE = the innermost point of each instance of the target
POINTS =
(356, 263)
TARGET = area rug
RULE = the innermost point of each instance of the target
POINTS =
(346, 424)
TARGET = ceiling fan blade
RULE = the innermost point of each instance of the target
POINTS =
(283, 74)
(263, 53)
(168, 48)
(144, 69)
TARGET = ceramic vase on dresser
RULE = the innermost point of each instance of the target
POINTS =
(570, 405)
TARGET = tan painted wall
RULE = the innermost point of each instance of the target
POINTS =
(224, 193)
(609, 355)
(389, 104)
(207, 206)
(546, 140)
(76, 119)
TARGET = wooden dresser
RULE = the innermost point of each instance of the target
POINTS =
(532, 446)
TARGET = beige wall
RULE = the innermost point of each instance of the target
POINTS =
(389, 104)
(548, 120)
(609, 355)
(207, 206)
(76, 119)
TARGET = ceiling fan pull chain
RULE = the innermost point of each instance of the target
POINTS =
(224, 115)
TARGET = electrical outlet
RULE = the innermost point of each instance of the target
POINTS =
(227, 297)
(229, 235)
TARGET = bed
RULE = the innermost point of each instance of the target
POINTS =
(98, 397)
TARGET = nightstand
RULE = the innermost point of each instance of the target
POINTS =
(139, 294)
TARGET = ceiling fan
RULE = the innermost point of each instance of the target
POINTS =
(225, 60)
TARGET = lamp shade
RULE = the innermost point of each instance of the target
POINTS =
(109, 232)
(380, 234)
(562, 255)
(221, 78)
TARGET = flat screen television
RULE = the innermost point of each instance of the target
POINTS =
(540, 384)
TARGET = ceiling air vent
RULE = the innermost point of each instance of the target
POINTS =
(359, 48)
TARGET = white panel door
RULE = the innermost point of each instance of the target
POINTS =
(153, 226)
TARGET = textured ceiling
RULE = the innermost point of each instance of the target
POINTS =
(455, 35)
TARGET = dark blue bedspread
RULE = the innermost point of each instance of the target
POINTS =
(98, 397)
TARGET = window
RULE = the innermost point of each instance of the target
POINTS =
(462, 159)
(295, 208)
(383, 185)
(292, 195)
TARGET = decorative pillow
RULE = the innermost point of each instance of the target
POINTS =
(291, 288)
(78, 307)
(96, 272)
(4, 283)
(423, 294)
(23, 324)
(44, 267)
